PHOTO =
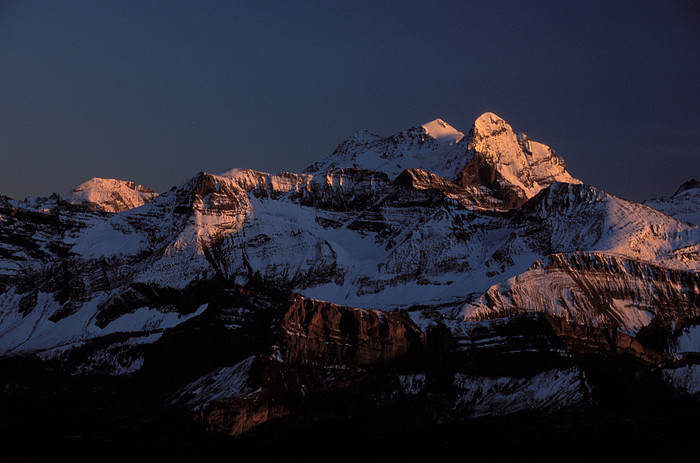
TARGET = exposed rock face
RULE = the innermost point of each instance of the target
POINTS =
(324, 353)
(426, 278)
(596, 290)
(512, 166)
(320, 332)
(370, 370)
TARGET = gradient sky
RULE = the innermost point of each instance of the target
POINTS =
(155, 92)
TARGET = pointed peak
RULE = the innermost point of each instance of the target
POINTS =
(489, 118)
(489, 123)
(691, 184)
(442, 131)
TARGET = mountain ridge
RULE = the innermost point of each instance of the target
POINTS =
(492, 156)
(684, 204)
(457, 279)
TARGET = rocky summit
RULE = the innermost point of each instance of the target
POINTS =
(434, 290)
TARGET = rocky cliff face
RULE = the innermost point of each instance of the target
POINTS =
(429, 278)
(369, 371)
(596, 290)
(512, 166)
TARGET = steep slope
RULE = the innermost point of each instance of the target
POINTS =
(609, 262)
(683, 205)
(57, 300)
(595, 289)
(515, 167)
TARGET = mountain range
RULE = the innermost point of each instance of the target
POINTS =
(433, 285)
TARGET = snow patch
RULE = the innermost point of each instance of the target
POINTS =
(484, 395)
(223, 383)
(442, 131)
(686, 378)
(149, 318)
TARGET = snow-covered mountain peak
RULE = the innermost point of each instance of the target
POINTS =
(442, 131)
(431, 146)
(490, 124)
(513, 166)
(110, 195)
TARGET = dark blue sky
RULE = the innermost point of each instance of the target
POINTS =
(155, 92)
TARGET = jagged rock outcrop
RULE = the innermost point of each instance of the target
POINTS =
(324, 333)
(512, 166)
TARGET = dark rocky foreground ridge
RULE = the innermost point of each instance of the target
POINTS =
(338, 379)
(347, 382)
(410, 296)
